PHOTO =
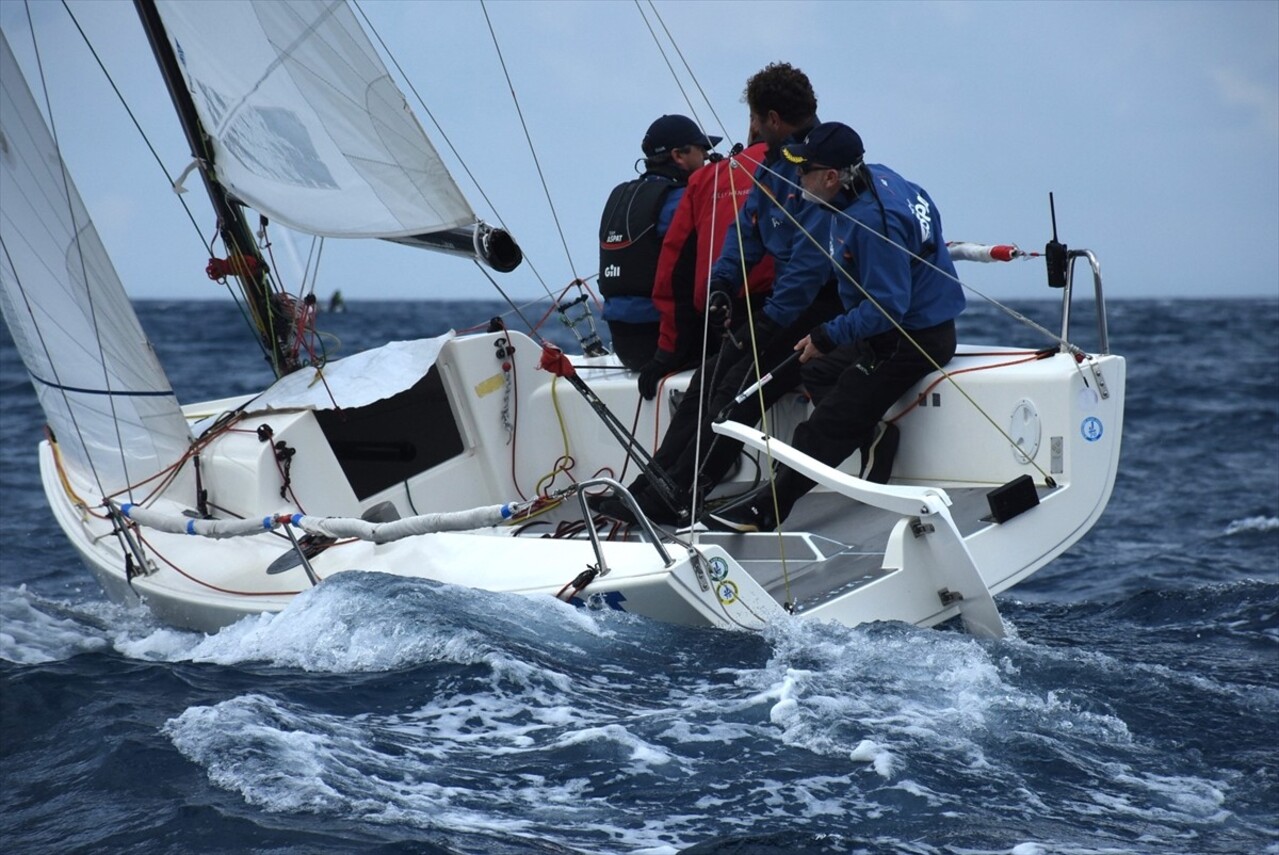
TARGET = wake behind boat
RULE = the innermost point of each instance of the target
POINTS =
(468, 458)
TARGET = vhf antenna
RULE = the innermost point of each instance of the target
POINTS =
(1055, 252)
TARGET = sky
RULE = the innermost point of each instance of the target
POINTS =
(1155, 125)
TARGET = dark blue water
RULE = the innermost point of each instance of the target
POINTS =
(1135, 709)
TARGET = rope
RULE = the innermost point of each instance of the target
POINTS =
(704, 398)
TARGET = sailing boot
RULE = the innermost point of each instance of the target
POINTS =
(609, 505)
(650, 503)
(755, 512)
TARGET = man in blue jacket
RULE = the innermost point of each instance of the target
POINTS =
(777, 221)
(901, 297)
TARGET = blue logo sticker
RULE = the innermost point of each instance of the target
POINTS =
(1091, 428)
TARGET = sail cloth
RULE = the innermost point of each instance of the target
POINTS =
(354, 381)
(307, 126)
(103, 391)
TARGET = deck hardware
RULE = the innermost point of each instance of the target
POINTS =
(919, 529)
(306, 562)
(695, 559)
(949, 597)
(646, 526)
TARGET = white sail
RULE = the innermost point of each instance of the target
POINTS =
(104, 393)
(307, 126)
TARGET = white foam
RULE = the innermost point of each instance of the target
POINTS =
(1253, 524)
(363, 622)
(30, 635)
(880, 758)
(1028, 849)
(640, 750)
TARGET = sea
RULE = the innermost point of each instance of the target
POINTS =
(1133, 707)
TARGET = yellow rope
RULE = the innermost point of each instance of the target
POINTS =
(759, 393)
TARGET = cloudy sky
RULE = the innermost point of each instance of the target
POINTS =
(1155, 125)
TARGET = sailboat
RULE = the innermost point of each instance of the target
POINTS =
(417, 458)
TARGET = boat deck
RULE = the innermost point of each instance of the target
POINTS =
(828, 548)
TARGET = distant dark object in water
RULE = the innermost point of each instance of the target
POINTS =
(336, 303)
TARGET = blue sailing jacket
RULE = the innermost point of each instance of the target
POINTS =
(802, 268)
(917, 294)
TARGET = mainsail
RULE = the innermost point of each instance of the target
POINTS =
(103, 391)
(306, 125)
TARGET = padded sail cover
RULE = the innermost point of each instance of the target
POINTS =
(307, 126)
(103, 391)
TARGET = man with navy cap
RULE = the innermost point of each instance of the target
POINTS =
(901, 297)
(631, 230)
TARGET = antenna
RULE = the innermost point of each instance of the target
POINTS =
(1055, 252)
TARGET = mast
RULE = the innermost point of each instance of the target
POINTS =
(246, 262)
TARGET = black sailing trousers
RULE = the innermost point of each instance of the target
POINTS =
(854, 385)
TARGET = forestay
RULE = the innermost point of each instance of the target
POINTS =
(307, 127)
(103, 392)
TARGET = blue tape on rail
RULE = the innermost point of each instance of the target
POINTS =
(266, 523)
(506, 511)
(296, 519)
(126, 507)
(190, 526)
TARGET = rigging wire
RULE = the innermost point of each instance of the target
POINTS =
(532, 150)
(136, 124)
(88, 289)
(537, 274)
(434, 121)
(693, 77)
(241, 305)
(674, 76)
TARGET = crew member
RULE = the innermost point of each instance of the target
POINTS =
(634, 222)
(901, 296)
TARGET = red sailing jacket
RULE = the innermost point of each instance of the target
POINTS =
(704, 213)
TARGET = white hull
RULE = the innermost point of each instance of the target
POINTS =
(846, 560)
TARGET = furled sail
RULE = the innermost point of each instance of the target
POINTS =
(103, 391)
(308, 128)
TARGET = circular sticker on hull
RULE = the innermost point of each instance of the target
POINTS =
(1091, 428)
(718, 569)
(727, 593)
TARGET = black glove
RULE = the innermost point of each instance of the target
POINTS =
(821, 339)
(719, 301)
(765, 329)
(650, 375)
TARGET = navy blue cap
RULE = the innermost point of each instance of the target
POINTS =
(675, 131)
(832, 144)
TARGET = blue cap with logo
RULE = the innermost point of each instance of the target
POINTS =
(831, 144)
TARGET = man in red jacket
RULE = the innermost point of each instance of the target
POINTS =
(710, 204)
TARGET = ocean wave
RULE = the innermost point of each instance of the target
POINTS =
(36, 630)
(1253, 524)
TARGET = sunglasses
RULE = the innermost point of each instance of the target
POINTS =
(805, 168)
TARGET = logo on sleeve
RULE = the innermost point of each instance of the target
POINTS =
(923, 213)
